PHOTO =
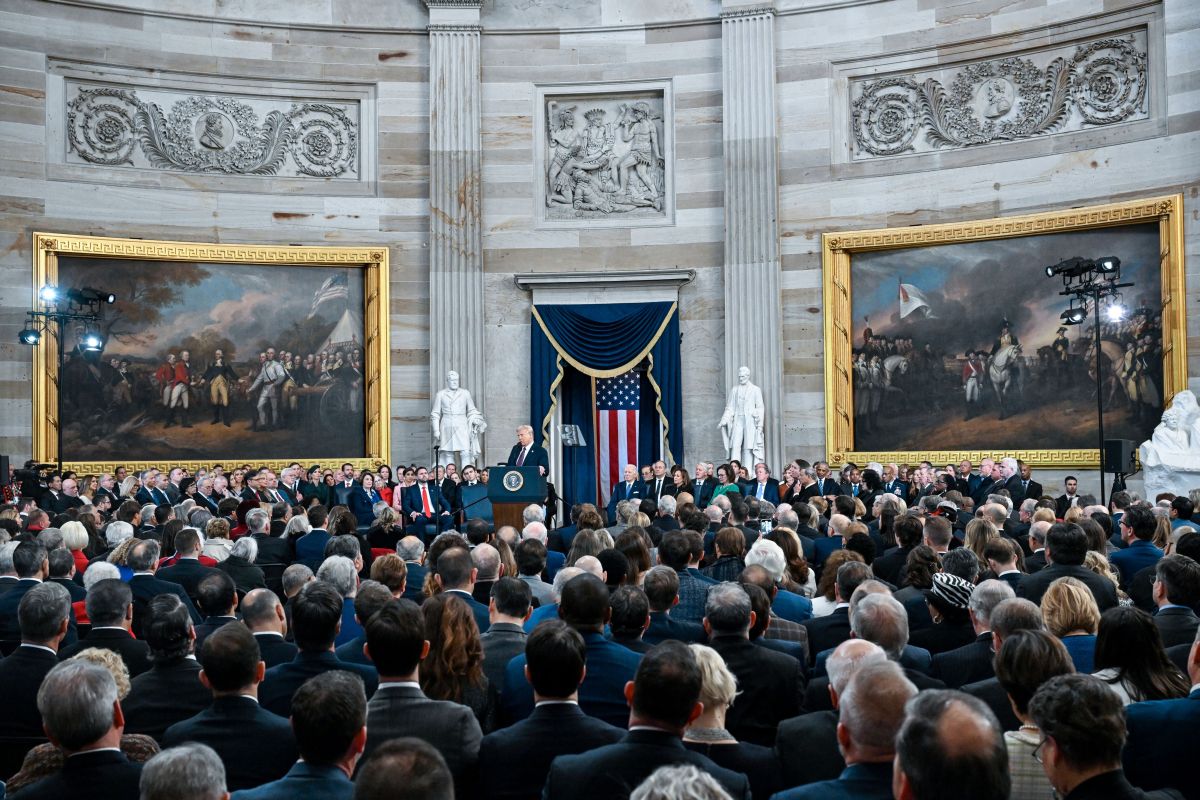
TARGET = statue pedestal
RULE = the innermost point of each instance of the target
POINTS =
(1178, 480)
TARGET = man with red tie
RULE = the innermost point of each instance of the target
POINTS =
(423, 506)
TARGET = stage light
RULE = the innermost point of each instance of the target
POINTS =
(92, 342)
(1073, 316)
(29, 336)
(1115, 312)
(1108, 264)
(48, 293)
(1070, 267)
(88, 296)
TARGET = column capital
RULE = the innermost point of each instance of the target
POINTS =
(732, 9)
(453, 14)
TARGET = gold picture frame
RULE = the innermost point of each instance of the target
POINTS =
(373, 261)
(838, 249)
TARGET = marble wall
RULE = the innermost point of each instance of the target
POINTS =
(524, 48)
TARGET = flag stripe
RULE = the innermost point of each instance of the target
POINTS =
(617, 401)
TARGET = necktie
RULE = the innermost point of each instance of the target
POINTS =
(628, 490)
(658, 488)
(521, 458)
(855, 488)
(760, 490)
(425, 504)
(821, 486)
(1025, 485)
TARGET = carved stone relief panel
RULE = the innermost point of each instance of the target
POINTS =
(1085, 84)
(605, 155)
(214, 128)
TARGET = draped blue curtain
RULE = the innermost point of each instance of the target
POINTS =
(571, 342)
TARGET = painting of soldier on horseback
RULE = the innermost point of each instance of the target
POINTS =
(963, 345)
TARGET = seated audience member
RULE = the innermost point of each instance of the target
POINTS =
(1082, 723)
(531, 563)
(392, 572)
(328, 717)
(273, 549)
(1007, 618)
(630, 617)
(31, 566)
(1176, 594)
(255, 745)
(83, 718)
(707, 734)
(973, 662)
(661, 586)
(889, 566)
(310, 548)
(187, 571)
(514, 761)
(663, 698)
(1025, 661)
(772, 684)
(62, 571)
(1161, 746)
(1137, 527)
(396, 644)
(730, 549)
(455, 573)
(341, 573)
(505, 639)
(949, 746)
(404, 769)
(240, 565)
(42, 616)
(453, 668)
(110, 609)
(1000, 555)
(316, 617)
(1066, 549)
(217, 599)
(146, 586)
(789, 605)
(584, 606)
(834, 628)
(682, 782)
(1070, 613)
(870, 712)
(948, 601)
(675, 551)
(770, 630)
(170, 691)
(190, 771)
(264, 616)
(1129, 657)
(371, 597)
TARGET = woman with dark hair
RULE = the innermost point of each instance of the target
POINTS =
(363, 499)
(823, 599)
(1096, 538)
(632, 543)
(384, 483)
(730, 548)
(237, 482)
(679, 478)
(726, 482)
(947, 600)
(872, 486)
(1131, 660)
(309, 485)
(797, 577)
(453, 670)
(789, 486)
(326, 489)
(585, 543)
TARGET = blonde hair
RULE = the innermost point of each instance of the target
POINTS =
(1068, 605)
(217, 528)
(111, 661)
(1044, 515)
(1074, 514)
(1097, 562)
(718, 686)
(75, 536)
(979, 532)
(1162, 532)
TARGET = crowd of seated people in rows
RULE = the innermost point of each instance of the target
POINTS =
(716, 633)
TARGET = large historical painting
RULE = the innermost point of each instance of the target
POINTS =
(605, 155)
(212, 362)
(959, 344)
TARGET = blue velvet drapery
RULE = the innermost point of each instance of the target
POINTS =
(572, 344)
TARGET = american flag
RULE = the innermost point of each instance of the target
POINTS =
(617, 402)
(334, 288)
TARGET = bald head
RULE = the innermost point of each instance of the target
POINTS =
(591, 564)
(847, 658)
(871, 710)
(950, 745)
(487, 561)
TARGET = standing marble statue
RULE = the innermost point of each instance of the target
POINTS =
(457, 424)
(1171, 457)
(742, 423)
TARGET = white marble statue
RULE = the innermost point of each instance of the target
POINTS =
(1171, 457)
(457, 424)
(742, 423)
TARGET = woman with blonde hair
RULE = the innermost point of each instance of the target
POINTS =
(979, 532)
(453, 670)
(217, 544)
(75, 539)
(1074, 514)
(707, 735)
(1071, 614)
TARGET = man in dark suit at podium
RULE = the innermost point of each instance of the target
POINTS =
(527, 454)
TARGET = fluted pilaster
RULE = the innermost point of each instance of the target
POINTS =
(455, 209)
(753, 316)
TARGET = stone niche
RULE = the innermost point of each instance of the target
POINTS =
(604, 155)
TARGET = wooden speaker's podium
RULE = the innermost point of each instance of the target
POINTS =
(510, 489)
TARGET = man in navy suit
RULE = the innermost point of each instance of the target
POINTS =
(527, 454)
(32, 565)
(1137, 528)
(702, 486)
(1161, 743)
(764, 487)
(514, 761)
(44, 612)
(329, 721)
(663, 699)
(255, 745)
(149, 491)
(424, 506)
(584, 606)
(187, 571)
(143, 560)
(824, 486)
(627, 489)
(661, 585)
(455, 572)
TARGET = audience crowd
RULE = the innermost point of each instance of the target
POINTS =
(882, 632)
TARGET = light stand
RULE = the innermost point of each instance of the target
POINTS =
(1092, 280)
(76, 305)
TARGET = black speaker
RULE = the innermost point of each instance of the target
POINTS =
(1118, 455)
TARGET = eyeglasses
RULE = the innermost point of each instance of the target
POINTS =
(1037, 751)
